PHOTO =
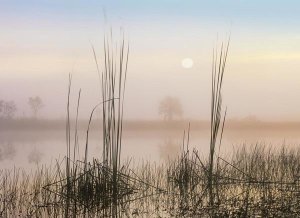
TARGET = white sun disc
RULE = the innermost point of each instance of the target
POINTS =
(187, 63)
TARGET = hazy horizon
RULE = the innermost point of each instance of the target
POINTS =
(43, 41)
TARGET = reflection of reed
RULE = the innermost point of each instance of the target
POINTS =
(7, 151)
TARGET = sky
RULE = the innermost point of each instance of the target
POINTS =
(41, 42)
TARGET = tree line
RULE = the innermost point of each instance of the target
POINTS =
(8, 109)
(169, 109)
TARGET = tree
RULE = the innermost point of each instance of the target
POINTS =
(169, 108)
(36, 104)
(8, 109)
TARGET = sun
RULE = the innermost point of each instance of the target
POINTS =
(187, 63)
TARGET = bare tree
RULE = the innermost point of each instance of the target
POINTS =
(169, 108)
(8, 109)
(36, 104)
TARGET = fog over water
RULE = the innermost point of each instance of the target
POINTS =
(42, 43)
(30, 149)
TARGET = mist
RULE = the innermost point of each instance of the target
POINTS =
(261, 66)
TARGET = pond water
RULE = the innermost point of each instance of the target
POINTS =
(28, 149)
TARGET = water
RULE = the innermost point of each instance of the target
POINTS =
(27, 149)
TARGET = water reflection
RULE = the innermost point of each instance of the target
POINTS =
(26, 148)
(35, 156)
(169, 148)
(7, 151)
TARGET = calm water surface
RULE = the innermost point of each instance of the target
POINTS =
(29, 149)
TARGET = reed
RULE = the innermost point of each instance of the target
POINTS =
(216, 124)
(113, 80)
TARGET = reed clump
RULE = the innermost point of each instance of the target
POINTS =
(255, 181)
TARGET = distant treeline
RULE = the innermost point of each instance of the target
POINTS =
(142, 125)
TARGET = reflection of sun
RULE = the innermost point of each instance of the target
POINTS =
(187, 63)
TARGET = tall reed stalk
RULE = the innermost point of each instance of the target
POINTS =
(68, 142)
(113, 80)
(218, 69)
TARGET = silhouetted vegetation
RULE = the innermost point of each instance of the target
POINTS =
(257, 181)
(250, 182)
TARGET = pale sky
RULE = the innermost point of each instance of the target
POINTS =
(42, 41)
